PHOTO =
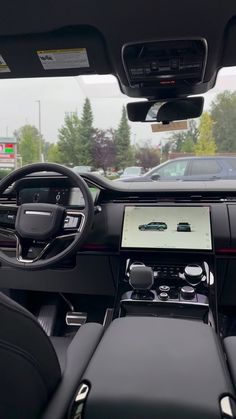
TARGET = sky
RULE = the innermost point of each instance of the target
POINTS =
(19, 103)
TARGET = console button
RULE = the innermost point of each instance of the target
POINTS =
(163, 296)
(187, 292)
(164, 288)
(193, 274)
(70, 222)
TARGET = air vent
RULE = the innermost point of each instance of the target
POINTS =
(8, 200)
(142, 199)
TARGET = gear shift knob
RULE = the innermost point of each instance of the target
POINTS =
(141, 278)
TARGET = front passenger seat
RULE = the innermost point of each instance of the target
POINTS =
(29, 367)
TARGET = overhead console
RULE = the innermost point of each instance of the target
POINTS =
(168, 62)
(165, 64)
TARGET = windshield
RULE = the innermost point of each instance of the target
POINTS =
(81, 122)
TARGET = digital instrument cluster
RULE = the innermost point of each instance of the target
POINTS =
(51, 195)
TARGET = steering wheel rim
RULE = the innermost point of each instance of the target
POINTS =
(79, 236)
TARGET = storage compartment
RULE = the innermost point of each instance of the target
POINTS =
(148, 367)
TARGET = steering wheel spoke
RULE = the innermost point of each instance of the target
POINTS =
(74, 221)
(24, 247)
(8, 215)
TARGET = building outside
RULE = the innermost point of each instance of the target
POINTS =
(8, 153)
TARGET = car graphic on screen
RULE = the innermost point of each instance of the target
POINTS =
(153, 226)
(184, 227)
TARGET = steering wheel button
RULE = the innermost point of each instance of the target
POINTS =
(74, 222)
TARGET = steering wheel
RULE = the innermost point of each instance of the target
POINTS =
(45, 225)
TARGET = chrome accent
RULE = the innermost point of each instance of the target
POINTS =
(163, 296)
(108, 317)
(8, 207)
(176, 302)
(164, 288)
(76, 318)
(129, 267)
(212, 280)
(78, 405)
(19, 249)
(47, 213)
(226, 407)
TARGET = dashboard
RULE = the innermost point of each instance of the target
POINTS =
(160, 216)
(159, 224)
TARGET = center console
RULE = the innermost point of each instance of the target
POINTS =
(169, 270)
(161, 357)
(147, 367)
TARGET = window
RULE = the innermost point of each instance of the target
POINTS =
(232, 163)
(205, 167)
(172, 169)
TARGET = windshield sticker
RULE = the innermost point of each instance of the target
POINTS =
(172, 126)
(60, 59)
(3, 66)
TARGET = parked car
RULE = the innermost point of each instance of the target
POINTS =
(184, 227)
(190, 168)
(155, 226)
(82, 169)
(87, 169)
(132, 171)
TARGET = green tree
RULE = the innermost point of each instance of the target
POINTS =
(223, 113)
(54, 154)
(69, 139)
(28, 138)
(185, 140)
(124, 153)
(84, 145)
(205, 145)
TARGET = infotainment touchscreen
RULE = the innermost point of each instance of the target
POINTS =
(167, 228)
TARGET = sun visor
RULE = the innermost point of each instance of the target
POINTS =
(66, 52)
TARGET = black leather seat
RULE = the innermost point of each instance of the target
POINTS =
(32, 375)
(230, 350)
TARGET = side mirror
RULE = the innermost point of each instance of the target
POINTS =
(155, 176)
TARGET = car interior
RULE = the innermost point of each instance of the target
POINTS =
(99, 319)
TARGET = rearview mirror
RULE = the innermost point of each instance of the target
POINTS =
(171, 110)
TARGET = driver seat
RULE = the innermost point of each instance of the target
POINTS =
(32, 380)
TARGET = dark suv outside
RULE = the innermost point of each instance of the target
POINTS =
(191, 168)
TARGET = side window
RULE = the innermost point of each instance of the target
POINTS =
(205, 167)
(172, 169)
(232, 163)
